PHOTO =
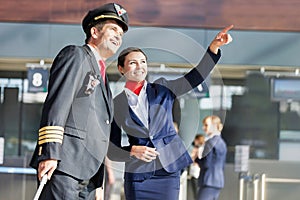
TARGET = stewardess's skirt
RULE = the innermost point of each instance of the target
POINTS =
(158, 187)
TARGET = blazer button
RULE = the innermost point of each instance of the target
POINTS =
(107, 121)
(151, 137)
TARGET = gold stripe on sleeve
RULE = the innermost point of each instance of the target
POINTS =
(49, 140)
(58, 128)
(51, 134)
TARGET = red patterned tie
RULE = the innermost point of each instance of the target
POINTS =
(102, 69)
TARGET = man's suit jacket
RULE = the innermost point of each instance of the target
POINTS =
(161, 133)
(212, 163)
(75, 125)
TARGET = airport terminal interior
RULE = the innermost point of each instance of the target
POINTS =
(255, 87)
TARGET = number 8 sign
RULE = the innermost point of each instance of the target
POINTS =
(37, 79)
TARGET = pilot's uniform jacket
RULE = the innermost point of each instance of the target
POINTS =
(76, 117)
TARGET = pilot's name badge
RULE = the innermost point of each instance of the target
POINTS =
(93, 82)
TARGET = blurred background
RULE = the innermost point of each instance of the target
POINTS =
(255, 88)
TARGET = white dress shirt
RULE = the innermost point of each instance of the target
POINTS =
(139, 104)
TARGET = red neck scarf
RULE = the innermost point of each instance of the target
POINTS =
(135, 87)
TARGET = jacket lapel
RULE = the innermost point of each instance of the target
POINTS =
(135, 118)
(131, 113)
(157, 115)
(105, 91)
(152, 110)
(96, 70)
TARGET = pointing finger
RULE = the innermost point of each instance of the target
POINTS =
(226, 29)
(223, 33)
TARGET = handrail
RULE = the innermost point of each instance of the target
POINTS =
(17, 170)
(282, 180)
(265, 180)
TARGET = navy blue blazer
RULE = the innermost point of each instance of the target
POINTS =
(212, 163)
(161, 133)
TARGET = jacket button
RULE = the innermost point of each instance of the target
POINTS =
(107, 121)
(151, 137)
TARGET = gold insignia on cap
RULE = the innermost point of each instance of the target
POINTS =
(120, 11)
(51, 134)
(106, 16)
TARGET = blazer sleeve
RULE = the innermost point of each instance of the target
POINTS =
(64, 77)
(116, 151)
(194, 77)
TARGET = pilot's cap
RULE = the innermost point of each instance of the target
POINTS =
(107, 11)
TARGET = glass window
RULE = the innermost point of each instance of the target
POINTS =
(220, 97)
(19, 128)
